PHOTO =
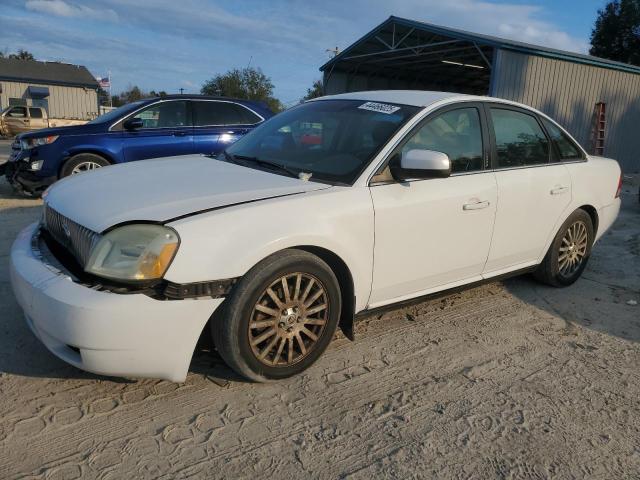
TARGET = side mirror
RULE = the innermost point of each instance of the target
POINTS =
(133, 124)
(421, 164)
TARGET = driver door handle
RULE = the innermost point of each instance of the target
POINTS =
(476, 205)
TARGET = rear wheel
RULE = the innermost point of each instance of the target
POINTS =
(83, 162)
(280, 317)
(569, 252)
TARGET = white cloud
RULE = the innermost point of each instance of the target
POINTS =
(163, 44)
(62, 8)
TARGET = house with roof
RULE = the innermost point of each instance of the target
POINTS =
(66, 91)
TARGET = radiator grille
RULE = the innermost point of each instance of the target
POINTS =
(78, 240)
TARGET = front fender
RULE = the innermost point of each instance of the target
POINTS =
(226, 243)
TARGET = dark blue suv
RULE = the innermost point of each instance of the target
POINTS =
(151, 128)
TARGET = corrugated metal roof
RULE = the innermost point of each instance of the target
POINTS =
(484, 40)
(53, 73)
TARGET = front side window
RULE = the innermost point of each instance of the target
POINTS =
(17, 112)
(165, 115)
(457, 133)
(208, 113)
(566, 148)
(333, 140)
(520, 140)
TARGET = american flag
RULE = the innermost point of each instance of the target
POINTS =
(104, 82)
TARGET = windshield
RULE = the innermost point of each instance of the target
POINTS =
(114, 115)
(333, 140)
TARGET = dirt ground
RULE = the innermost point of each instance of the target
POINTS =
(508, 380)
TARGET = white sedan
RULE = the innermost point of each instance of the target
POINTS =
(331, 209)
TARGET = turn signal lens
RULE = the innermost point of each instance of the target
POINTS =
(153, 265)
(619, 190)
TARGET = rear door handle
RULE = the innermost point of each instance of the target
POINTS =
(476, 205)
(179, 134)
(559, 190)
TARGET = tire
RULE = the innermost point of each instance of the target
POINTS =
(76, 163)
(250, 314)
(568, 254)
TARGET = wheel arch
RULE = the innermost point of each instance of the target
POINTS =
(593, 213)
(345, 283)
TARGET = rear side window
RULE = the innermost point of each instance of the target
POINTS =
(222, 113)
(165, 115)
(566, 148)
(35, 113)
(520, 141)
(457, 133)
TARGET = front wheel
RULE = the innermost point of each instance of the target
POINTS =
(569, 252)
(82, 162)
(280, 316)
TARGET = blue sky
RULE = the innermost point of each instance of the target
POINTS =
(173, 44)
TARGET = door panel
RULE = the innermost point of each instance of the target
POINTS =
(17, 120)
(530, 202)
(37, 119)
(532, 192)
(431, 233)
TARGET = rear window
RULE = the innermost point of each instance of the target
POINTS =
(566, 148)
(35, 113)
(208, 113)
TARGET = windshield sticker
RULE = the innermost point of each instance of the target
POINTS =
(379, 107)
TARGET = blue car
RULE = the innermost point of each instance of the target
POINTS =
(150, 128)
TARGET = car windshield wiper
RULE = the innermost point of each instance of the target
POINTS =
(265, 163)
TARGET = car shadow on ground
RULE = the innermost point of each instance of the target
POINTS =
(607, 296)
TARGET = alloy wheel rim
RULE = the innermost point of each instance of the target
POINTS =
(573, 249)
(288, 320)
(85, 167)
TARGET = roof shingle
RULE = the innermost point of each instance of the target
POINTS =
(51, 73)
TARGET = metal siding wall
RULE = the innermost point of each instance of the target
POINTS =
(64, 102)
(568, 93)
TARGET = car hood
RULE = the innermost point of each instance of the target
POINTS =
(164, 189)
(83, 129)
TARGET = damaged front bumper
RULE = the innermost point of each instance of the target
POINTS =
(21, 178)
(128, 335)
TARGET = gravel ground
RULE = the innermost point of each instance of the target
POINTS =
(508, 380)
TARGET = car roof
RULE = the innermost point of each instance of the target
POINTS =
(242, 101)
(418, 98)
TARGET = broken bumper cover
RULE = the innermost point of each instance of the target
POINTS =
(129, 335)
(24, 180)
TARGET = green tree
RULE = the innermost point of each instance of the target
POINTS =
(134, 94)
(22, 55)
(103, 97)
(247, 83)
(616, 33)
(316, 90)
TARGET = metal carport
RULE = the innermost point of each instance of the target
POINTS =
(408, 54)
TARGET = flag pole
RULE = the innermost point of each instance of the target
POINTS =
(110, 96)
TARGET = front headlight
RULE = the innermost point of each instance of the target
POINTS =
(29, 143)
(134, 253)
